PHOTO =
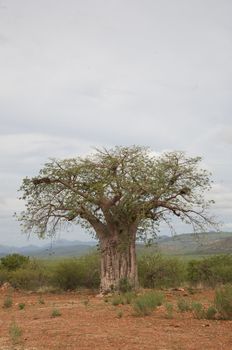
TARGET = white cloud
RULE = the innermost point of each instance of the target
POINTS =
(155, 73)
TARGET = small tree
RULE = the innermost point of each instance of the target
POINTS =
(122, 194)
(14, 261)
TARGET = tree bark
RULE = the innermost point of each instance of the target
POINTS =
(118, 262)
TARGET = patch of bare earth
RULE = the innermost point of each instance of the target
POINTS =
(88, 322)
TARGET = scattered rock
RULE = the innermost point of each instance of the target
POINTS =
(175, 325)
(6, 286)
(178, 289)
(99, 296)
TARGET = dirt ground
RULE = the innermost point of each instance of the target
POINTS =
(88, 322)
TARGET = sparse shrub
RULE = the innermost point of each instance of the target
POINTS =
(169, 310)
(183, 305)
(4, 275)
(31, 277)
(41, 300)
(123, 299)
(8, 302)
(119, 314)
(67, 274)
(22, 306)
(55, 313)
(86, 302)
(210, 313)
(14, 261)
(90, 266)
(117, 300)
(223, 302)
(48, 289)
(198, 310)
(128, 297)
(157, 271)
(70, 274)
(211, 271)
(191, 290)
(144, 305)
(15, 332)
(124, 285)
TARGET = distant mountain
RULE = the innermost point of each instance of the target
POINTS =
(56, 249)
(194, 244)
(184, 244)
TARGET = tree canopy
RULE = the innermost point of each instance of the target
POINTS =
(120, 185)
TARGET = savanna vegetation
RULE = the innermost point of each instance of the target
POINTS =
(121, 194)
(185, 292)
(154, 271)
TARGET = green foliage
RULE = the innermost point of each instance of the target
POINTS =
(169, 310)
(198, 310)
(183, 305)
(124, 285)
(117, 300)
(211, 271)
(210, 313)
(15, 332)
(119, 314)
(223, 302)
(157, 271)
(41, 300)
(22, 306)
(8, 302)
(70, 274)
(14, 261)
(4, 275)
(123, 299)
(55, 313)
(30, 277)
(128, 297)
(145, 304)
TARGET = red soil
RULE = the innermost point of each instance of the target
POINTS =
(88, 322)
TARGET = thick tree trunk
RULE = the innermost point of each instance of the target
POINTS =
(118, 262)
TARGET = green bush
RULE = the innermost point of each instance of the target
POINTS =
(157, 271)
(169, 310)
(223, 302)
(55, 313)
(70, 274)
(119, 314)
(8, 302)
(117, 300)
(4, 276)
(128, 297)
(210, 313)
(124, 299)
(198, 310)
(12, 262)
(144, 305)
(124, 285)
(22, 306)
(183, 305)
(30, 277)
(15, 332)
(211, 270)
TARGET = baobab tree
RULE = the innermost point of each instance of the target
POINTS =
(123, 194)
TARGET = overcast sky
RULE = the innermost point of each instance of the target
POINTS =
(77, 74)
